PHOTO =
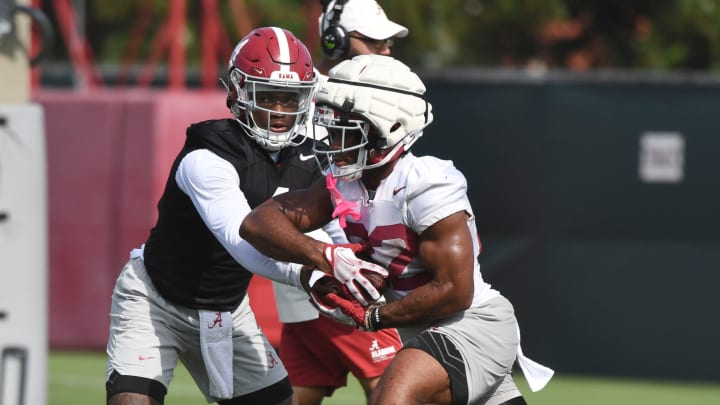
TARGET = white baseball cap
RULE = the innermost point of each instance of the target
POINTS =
(365, 17)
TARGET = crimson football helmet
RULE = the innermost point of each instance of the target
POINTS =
(267, 60)
(378, 97)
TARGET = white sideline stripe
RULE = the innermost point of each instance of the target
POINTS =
(98, 384)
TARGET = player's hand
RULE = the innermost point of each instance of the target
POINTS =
(318, 286)
(366, 319)
(349, 307)
(348, 269)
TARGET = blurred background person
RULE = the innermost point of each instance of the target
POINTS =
(354, 27)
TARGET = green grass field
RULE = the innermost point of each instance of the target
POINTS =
(77, 378)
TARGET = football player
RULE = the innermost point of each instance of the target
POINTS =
(318, 352)
(460, 335)
(183, 296)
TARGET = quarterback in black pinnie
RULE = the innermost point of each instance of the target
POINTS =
(183, 296)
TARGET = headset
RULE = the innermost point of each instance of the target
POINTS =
(334, 41)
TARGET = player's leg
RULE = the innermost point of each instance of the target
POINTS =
(267, 395)
(309, 395)
(310, 380)
(368, 385)
(506, 393)
(258, 375)
(368, 354)
(312, 360)
(430, 382)
(487, 337)
(131, 398)
(117, 387)
(414, 376)
(365, 354)
(141, 358)
(467, 358)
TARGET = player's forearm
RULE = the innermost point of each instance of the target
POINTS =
(274, 235)
(257, 263)
(425, 305)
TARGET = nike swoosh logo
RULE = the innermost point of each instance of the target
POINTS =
(141, 357)
(399, 189)
(306, 157)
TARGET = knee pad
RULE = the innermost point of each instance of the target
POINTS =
(269, 395)
(127, 383)
(515, 401)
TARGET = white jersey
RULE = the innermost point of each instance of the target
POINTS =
(419, 192)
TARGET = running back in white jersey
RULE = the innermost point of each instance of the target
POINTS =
(419, 192)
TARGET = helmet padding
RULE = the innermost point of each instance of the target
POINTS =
(381, 98)
(384, 91)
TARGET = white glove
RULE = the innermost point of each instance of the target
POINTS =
(348, 268)
(322, 281)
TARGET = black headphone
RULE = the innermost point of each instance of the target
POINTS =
(334, 40)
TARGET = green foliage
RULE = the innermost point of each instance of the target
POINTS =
(287, 14)
(504, 31)
(640, 34)
(687, 36)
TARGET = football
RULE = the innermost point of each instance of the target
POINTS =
(376, 280)
(327, 285)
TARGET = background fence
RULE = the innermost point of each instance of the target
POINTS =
(597, 200)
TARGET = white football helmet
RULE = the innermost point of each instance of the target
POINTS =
(268, 60)
(378, 96)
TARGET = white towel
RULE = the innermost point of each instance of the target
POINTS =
(536, 375)
(138, 253)
(217, 350)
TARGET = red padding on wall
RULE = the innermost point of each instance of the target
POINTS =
(109, 155)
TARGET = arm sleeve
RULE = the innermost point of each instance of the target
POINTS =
(213, 186)
(336, 233)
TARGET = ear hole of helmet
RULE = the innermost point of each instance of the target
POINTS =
(375, 141)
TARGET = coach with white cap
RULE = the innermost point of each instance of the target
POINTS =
(355, 27)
